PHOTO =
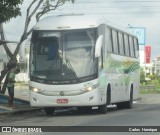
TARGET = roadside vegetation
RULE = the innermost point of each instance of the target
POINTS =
(149, 83)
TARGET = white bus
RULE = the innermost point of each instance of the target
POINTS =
(82, 61)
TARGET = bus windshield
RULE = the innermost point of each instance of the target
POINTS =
(63, 56)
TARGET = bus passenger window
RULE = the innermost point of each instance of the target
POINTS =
(132, 50)
(109, 41)
(127, 50)
(136, 47)
(115, 42)
(120, 40)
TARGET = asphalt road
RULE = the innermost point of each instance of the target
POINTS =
(144, 113)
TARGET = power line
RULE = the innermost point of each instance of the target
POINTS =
(126, 7)
(119, 2)
(138, 1)
(128, 13)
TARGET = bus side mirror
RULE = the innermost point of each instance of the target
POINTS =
(98, 46)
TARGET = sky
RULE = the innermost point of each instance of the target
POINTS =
(127, 13)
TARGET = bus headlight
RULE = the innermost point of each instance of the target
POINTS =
(90, 88)
(36, 90)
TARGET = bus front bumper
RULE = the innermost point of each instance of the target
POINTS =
(91, 98)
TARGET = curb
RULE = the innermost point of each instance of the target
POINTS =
(11, 112)
(17, 101)
(5, 98)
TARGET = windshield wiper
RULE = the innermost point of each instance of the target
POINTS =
(69, 64)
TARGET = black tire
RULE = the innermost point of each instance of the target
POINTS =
(120, 105)
(129, 104)
(102, 109)
(49, 110)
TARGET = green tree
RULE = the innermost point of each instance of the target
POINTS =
(142, 76)
(36, 8)
(9, 9)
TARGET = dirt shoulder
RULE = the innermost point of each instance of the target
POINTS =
(150, 98)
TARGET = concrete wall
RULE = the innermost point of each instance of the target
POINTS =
(22, 77)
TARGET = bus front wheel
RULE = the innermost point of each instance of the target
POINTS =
(102, 109)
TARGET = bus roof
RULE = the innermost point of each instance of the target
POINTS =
(75, 21)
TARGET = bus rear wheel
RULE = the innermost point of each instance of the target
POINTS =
(129, 104)
(120, 105)
(49, 110)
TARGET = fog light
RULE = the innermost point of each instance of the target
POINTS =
(90, 98)
(35, 99)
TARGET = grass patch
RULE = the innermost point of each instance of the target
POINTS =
(150, 87)
(157, 87)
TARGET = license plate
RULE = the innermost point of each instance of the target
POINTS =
(59, 101)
